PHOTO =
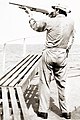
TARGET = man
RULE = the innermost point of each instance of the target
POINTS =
(54, 57)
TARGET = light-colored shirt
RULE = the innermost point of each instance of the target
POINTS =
(59, 30)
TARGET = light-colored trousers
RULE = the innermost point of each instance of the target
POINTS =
(53, 60)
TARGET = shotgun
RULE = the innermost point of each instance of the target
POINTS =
(31, 8)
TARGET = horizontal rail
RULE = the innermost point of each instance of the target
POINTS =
(19, 71)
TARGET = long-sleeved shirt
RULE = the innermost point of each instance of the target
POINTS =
(59, 30)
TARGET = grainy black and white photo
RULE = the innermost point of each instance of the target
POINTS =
(39, 60)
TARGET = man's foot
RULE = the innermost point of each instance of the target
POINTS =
(42, 115)
(66, 115)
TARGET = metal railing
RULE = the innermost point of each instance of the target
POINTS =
(4, 50)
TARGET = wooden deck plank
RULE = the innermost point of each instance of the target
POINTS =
(30, 66)
(12, 71)
(18, 72)
(6, 114)
(16, 111)
(22, 103)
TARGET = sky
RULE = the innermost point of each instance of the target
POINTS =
(14, 21)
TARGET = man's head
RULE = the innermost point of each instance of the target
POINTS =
(59, 9)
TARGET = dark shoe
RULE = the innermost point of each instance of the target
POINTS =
(42, 115)
(66, 115)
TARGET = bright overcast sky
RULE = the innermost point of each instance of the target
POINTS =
(14, 21)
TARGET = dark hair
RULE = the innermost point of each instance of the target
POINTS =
(62, 12)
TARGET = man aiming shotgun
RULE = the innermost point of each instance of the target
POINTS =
(59, 29)
(27, 9)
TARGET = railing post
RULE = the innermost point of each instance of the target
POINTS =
(4, 46)
(24, 47)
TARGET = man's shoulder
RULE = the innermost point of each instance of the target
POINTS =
(70, 18)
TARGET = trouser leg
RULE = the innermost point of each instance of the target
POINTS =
(60, 77)
(44, 89)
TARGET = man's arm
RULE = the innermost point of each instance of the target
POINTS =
(71, 40)
(39, 26)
